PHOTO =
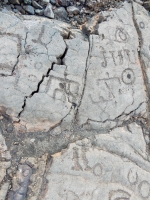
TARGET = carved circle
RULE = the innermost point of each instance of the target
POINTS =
(133, 176)
(121, 35)
(128, 76)
(142, 25)
(38, 65)
(119, 195)
(144, 189)
(97, 169)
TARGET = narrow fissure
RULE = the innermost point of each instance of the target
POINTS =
(37, 90)
(85, 77)
(141, 61)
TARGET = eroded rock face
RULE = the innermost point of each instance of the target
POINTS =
(75, 109)
(49, 76)
(112, 166)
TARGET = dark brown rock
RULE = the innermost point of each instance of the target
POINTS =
(64, 3)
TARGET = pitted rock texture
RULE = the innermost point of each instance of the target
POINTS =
(74, 107)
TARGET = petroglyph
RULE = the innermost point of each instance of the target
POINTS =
(74, 109)
(126, 177)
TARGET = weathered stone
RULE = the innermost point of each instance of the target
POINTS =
(28, 2)
(29, 9)
(20, 183)
(147, 5)
(39, 165)
(73, 10)
(4, 189)
(39, 12)
(114, 165)
(45, 2)
(81, 97)
(48, 12)
(20, 9)
(14, 1)
(27, 52)
(53, 2)
(36, 5)
(114, 93)
(64, 3)
(61, 13)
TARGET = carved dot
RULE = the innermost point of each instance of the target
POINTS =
(97, 169)
(142, 25)
(133, 176)
(128, 76)
(144, 189)
(61, 85)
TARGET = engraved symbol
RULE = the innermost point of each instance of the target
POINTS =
(85, 160)
(131, 55)
(142, 25)
(121, 35)
(119, 195)
(32, 78)
(128, 76)
(97, 169)
(59, 88)
(77, 165)
(133, 176)
(144, 189)
(104, 63)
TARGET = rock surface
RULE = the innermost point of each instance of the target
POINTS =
(74, 105)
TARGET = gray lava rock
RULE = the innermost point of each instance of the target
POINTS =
(64, 3)
(8, 7)
(29, 9)
(45, 2)
(48, 12)
(147, 5)
(73, 10)
(36, 5)
(28, 2)
(53, 2)
(5, 2)
(20, 9)
(14, 1)
(61, 13)
(39, 12)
